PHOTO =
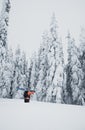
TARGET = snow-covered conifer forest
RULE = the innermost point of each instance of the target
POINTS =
(47, 73)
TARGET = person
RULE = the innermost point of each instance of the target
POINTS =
(27, 95)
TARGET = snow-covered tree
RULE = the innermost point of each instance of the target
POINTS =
(50, 67)
(20, 80)
(4, 19)
(34, 72)
(8, 69)
(82, 61)
(43, 66)
(56, 63)
(3, 48)
(73, 73)
(29, 73)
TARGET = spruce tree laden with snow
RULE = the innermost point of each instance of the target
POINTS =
(69, 72)
(41, 87)
(8, 72)
(34, 72)
(51, 64)
(74, 73)
(20, 79)
(56, 62)
(4, 19)
(82, 61)
(29, 74)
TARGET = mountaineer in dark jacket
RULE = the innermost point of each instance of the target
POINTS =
(27, 95)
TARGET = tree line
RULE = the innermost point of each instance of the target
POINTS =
(47, 74)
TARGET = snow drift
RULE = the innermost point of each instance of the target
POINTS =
(17, 115)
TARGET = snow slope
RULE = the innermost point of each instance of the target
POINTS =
(17, 115)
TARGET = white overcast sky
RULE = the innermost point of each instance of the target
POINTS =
(29, 19)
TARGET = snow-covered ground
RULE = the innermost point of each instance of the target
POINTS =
(17, 115)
